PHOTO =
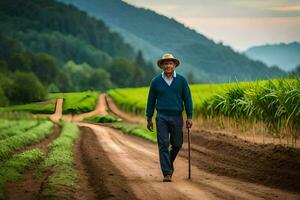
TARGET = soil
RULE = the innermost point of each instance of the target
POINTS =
(268, 164)
(99, 178)
(29, 186)
(137, 160)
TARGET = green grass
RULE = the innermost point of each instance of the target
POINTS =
(138, 131)
(5, 123)
(46, 107)
(77, 102)
(102, 119)
(17, 127)
(17, 115)
(35, 135)
(63, 181)
(12, 169)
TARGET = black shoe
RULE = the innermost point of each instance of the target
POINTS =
(167, 178)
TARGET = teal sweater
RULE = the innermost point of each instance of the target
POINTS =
(168, 100)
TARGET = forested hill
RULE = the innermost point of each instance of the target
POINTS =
(40, 23)
(202, 59)
(64, 49)
(285, 56)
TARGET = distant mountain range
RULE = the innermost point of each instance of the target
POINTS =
(202, 59)
(285, 56)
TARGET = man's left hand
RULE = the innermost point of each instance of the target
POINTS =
(188, 123)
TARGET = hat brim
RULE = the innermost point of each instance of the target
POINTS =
(160, 61)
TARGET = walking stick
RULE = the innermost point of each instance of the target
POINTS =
(189, 152)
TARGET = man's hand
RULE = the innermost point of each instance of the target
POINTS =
(150, 125)
(188, 123)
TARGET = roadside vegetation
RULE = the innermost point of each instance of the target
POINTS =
(102, 119)
(77, 102)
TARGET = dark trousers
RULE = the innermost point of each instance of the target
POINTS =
(169, 132)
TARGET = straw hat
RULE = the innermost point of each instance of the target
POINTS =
(165, 57)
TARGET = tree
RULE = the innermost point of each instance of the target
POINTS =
(8, 47)
(190, 78)
(20, 62)
(3, 98)
(45, 67)
(146, 67)
(123, 72)
(79, 74)
(25, 88)
(3, 67)
(100, 80)
(295, 72)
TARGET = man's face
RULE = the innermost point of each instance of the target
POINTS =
(168, 66)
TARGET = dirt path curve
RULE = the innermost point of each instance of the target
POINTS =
(112, 107)
(58, 110)
(99, 110)
(137, 159)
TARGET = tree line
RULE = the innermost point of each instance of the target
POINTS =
(47, 46)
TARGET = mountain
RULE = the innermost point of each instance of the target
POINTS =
(61, 30)
(155, 34)
(61, 49)
(284, 55)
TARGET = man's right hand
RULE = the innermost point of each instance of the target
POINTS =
(150, 126)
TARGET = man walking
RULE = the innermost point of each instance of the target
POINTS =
(168, 91)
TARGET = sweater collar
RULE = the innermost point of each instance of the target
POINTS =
(163, 74)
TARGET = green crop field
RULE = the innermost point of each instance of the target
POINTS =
(135, 99)
(17, 135)
(46, 107)
(20, 139)
(77, 102)
(275, 102)
(16, 127)
(74, 102)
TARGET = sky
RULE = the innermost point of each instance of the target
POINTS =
(238, 23)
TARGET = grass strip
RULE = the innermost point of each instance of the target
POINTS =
(138, 131)
(33, 136)
(102, 119)
(18, 128)
(12, 169)
(46, 107)
(63, 180)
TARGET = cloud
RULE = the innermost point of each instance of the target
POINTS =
(295, 8)
(241, 33)
(239, 23)
(219, 8)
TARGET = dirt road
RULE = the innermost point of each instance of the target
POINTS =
(136, 162)
(99, 110)
(58, 110)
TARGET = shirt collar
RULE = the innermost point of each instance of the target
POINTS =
(163, 74)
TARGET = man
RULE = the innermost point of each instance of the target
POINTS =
(168, 91)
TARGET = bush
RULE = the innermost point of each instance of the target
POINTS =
(25, 88)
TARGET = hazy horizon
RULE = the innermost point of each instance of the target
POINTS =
(238, 23)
